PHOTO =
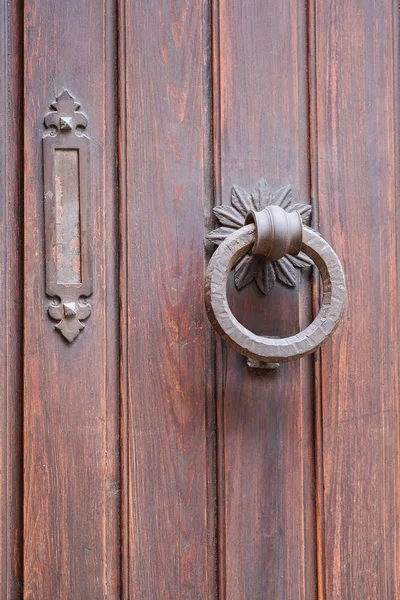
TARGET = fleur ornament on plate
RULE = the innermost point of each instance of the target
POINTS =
(265, 272)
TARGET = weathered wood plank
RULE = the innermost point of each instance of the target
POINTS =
(11, 268)
(168, 530)
(356, 77)
(70, 390)
(267, 537)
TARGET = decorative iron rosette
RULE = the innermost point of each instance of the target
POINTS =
(265, 272)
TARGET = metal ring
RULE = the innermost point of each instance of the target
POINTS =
(264, 348)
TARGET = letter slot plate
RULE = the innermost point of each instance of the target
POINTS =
(68, 215)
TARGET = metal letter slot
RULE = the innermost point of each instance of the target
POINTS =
(68, 219)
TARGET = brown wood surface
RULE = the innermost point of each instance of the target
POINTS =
(357, 99)
(70, 391)
(267, 540)
(11, 265)
(234, 485)
(165, 181)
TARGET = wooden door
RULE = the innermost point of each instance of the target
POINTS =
(144, 459)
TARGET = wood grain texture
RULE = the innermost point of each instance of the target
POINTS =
(11, 267)
(70, 392)
(209, 93)
(356, 85)
(267, 537)
(168, 532)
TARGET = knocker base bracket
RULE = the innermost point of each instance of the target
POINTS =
(277, 232)
(260, 367)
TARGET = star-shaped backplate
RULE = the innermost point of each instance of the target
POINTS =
(265, 272)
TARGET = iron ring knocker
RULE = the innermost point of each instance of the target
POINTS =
(274, 232)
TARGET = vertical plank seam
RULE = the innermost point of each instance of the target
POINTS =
(18, 571)
(123, 285)
(110, 103)
(309, 575)
(396, 144)
(210, 349)
(4, 345)
(24, 362)
(112, 529)
(104, 274)
(318, 409)
(219, 362)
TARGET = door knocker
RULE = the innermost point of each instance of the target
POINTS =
(267, 223)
